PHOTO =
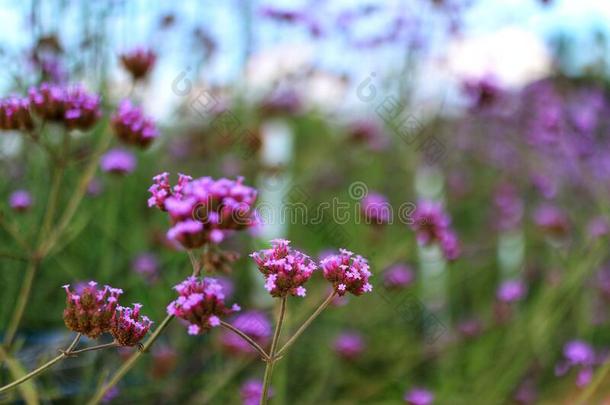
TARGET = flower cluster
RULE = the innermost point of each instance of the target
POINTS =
(200, 303)
(419, 396)
(511, 291)
(74, 107)
(90, 310)
(203, 210)
(433, 225)
(376, 209)
(15, 114)
(20, 200)
(132, 126)
(285, 269)
(118, 161)
(126, 326)
(349, 345)
(253, 323)
(398, 276)
(138, 62)
(347, 272)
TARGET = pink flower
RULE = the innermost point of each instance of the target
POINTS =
(347, 273)
(132, 126)
(376, 209)
(285, 269)
(419, 396)
(139, 62)
(349, 345)
(200, 303)
(15, 113)
(73, 106)
(511, 291)
(433, 225)
(127, 327)
(90, 311)
(20, 200)
(398, 276)
(118, 161)
(203, 210)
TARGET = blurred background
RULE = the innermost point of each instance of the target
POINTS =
(498, 111)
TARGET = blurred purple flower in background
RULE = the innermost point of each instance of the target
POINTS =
(255, 324)
(419, 396)
(118, 161)
(349, 345)
(251, 392)
(511, 291)
(20, 200)
(398, 276)
(147, 265)
(376, 209)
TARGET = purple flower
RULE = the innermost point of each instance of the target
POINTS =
(139, 62)
(200, 303)
(511, 291)
(552, 220)
(598, 227)
(376, 209)
(15, 114)
(127, 326)
(203, 210)
(349, 345)
(432, 225)
(398, 276)
(419, 396)
(73, 106)
(254, 324)
(580, 355)
(90, 310)
(118, 161)
(508, 208)
(132, 126)
(285, 269)
(251, 392)
(147, 265)
(347, 273)
(20, 200)
(367, 132)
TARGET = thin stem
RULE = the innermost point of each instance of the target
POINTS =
(99, 395)
(76, 197)
(22, 300)
(195, 263)
(309, 320)
(98, 347)
(247, 338)
(42, 368)
(274, 343)
(53, 199)
(14, 233)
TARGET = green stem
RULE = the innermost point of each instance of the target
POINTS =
(98, 347)
(274, 343)
(42, 368)
(247, 338)
(309, 320)
(99, 395)
(52, 201)
(22, 300)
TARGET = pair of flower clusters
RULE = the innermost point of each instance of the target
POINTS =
(203, 210)
(433, 225)
(92, 311)
(201, 302)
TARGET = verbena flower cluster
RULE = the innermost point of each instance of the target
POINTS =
(72, 106)
(285, 269)
(138, 62)
(203, 210)
(15, 114)
(92, 311)
(347, 272)
(127, 327)
(201, 303)
(433, 225)
(132, 127)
